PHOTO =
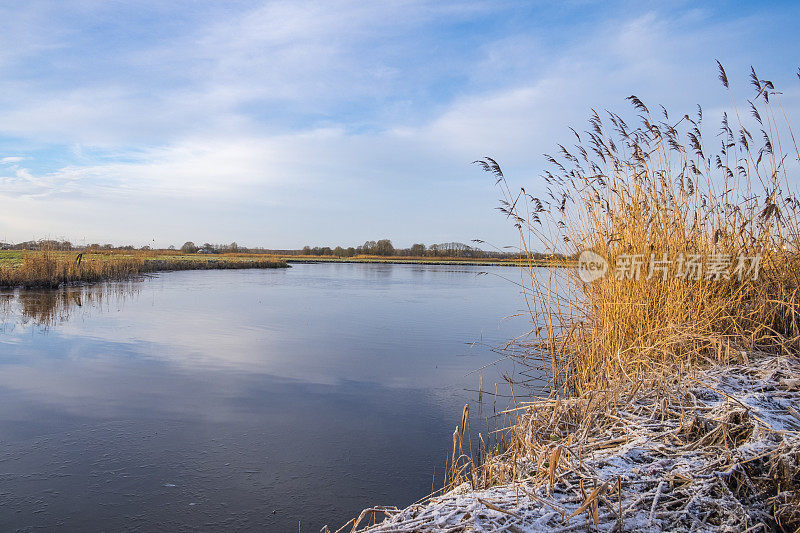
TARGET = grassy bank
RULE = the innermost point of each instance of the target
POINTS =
(425, 261)
(53, 268)
(673, 375)
(50, 269)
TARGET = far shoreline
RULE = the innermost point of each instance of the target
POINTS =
(425, 261)
(48, 269)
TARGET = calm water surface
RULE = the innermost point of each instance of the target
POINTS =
(242, 400)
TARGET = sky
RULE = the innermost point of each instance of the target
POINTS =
(281, 124)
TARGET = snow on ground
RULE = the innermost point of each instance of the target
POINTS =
(718, 452)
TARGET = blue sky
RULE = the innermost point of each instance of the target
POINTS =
(282, 124)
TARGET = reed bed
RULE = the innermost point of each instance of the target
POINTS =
(702, 248)
(50, 269)
(223, 263)
(673, 377)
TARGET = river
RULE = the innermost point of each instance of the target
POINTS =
(243, 400)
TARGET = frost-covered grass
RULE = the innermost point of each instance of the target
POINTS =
(718, 452)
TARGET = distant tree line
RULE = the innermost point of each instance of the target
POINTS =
(43, 244)
(188, 247)
(382, 247)
(65, 246)
(207, 248)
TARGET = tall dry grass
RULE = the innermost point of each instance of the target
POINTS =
(51, 269)
(652, 192)
(635, 432)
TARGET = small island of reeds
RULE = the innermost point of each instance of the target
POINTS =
(52, 269)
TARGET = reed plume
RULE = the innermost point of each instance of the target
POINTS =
(657, 199)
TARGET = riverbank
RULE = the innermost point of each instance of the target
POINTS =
(43, 269)
(426, 261)
(715, 451)
(670, 354)
(48, 269)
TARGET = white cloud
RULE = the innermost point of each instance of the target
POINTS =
(213, 138)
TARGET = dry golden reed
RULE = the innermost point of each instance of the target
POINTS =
(630, 385)
(51, 269)
(655, 191)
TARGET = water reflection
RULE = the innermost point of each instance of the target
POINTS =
(210, 399)
(46, 308)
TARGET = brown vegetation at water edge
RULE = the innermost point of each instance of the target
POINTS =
(671, 399)
(656, 192)
(50, 269)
